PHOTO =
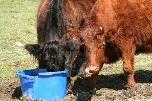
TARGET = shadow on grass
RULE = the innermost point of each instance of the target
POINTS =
(17, 94)
(143, 76)
(114, 81)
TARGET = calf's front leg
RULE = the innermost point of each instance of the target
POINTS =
(128, 53)
(93, 80)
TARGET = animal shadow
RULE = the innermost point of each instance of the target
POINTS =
(17, 94)
(113, 81)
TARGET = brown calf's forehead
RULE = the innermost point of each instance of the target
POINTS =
(71, 34)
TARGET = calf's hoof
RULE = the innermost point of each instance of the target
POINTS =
(131, 85)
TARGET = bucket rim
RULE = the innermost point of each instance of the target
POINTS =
(53, 73)
(20, 72)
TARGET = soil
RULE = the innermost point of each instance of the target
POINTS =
(10, 91)
(109, 88)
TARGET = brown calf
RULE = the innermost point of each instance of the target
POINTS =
(117, 28)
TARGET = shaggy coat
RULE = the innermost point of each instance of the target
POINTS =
(56, 18)
(74, 14)
(114, 29)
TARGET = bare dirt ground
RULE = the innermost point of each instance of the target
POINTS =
(9, 91)
(109, 88)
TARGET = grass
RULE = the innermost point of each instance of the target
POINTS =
(142, 62)
(18, 24)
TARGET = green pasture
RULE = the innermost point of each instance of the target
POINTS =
(18, 24)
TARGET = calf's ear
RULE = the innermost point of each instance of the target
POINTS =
(33, 49)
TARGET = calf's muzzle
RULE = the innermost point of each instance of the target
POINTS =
(92, 70)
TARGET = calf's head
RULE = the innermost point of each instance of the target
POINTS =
(94, 41)
(53, 55)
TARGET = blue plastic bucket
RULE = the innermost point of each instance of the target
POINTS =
(39, 84)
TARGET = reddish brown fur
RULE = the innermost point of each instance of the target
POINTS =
(75, 12)
(125, 30)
